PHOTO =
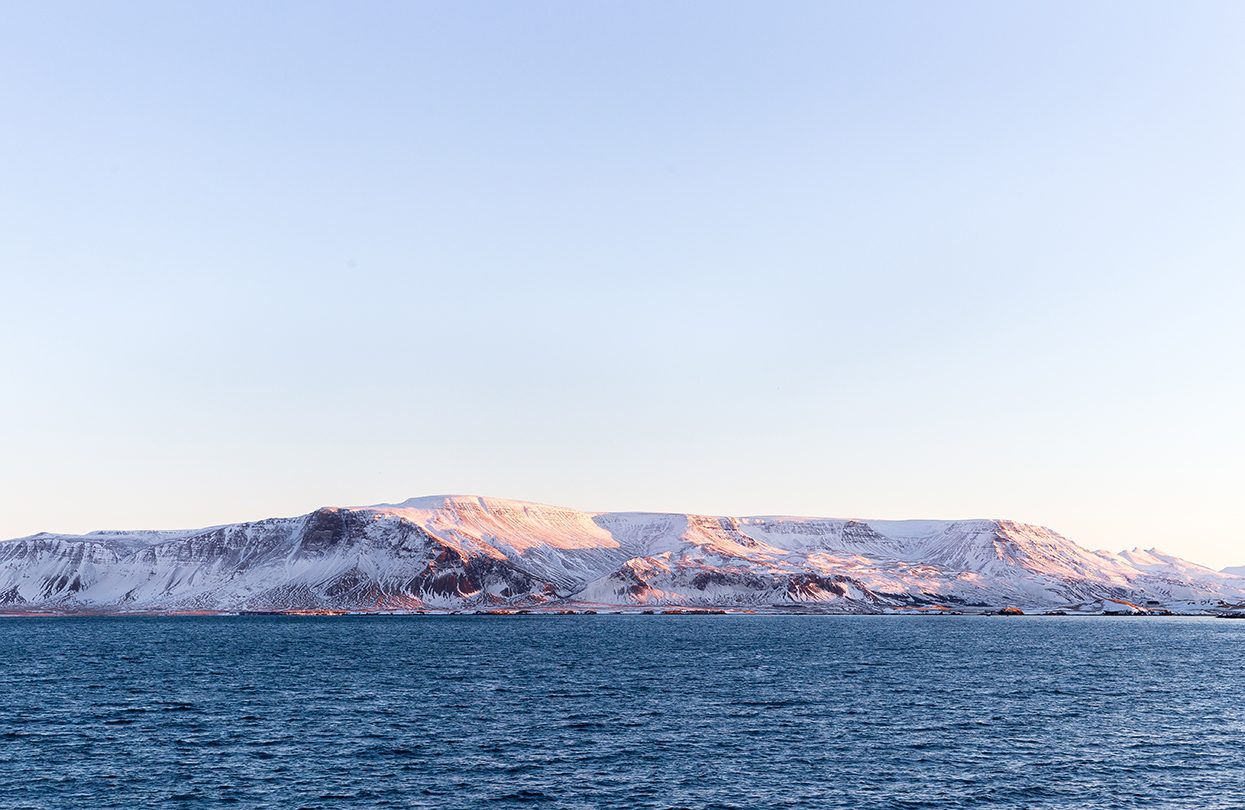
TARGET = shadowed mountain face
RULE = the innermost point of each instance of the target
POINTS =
(451, 552)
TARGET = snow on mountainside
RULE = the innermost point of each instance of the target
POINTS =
(452, 552)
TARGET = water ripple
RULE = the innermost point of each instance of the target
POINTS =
(622, 712)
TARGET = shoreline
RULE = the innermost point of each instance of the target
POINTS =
(1228, 613)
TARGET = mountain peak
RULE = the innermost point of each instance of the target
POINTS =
(485, 502)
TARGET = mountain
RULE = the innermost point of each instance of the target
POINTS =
(467, 552)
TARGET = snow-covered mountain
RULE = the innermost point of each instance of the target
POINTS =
(454, 552)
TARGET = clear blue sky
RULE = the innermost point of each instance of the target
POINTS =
(855, 259)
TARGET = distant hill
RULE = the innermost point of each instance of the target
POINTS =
(459, 552)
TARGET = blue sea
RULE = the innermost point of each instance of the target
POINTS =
(622, 712)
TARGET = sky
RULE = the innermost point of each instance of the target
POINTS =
(884, 259)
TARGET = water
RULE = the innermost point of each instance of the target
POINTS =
(622, 712)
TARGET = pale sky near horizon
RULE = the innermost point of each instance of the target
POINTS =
(917, 259)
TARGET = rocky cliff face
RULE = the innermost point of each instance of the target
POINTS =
(455, 552)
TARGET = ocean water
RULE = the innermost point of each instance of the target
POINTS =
(622, 712)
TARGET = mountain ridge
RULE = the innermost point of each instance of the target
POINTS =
(454, 552)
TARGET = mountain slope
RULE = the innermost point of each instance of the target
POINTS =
(453, 552)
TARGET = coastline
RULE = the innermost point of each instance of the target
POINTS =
(1235, 612)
